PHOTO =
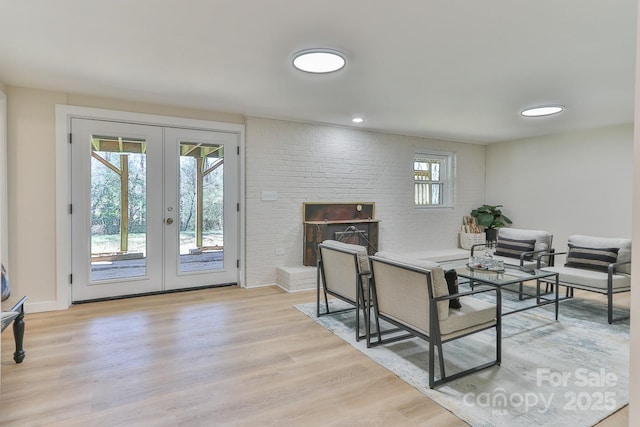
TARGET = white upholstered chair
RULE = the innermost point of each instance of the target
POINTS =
(521, 248)
(343, 272)
(596, 264)
(413, 295)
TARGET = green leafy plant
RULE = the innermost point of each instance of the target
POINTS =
(490, 216)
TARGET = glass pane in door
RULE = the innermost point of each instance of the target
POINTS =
(118, 208)
(201, 177)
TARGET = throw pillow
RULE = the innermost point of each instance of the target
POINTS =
(6, 292)
(513, 248)
(452, 283)
(591, 258)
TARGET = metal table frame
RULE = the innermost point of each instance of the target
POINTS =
(512, 276)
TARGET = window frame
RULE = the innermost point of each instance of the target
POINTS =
(446, 159)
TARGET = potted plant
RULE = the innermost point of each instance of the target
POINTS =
(491, 218)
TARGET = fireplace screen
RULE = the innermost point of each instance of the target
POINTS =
(353, 236)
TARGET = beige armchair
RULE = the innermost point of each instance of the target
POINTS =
(521, 248)
(343, 272)
(413, 295)
(596, 264)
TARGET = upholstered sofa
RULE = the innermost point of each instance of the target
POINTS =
(596, 264)
(445, 257)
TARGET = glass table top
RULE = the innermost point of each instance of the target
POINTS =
(509, 276)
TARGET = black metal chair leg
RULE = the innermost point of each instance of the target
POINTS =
(441, 357)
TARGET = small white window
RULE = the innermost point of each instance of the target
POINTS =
(432, 175)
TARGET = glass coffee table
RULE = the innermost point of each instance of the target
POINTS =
(511, 276)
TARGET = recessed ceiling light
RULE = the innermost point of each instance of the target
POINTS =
(542, 111)
(319, 61)
(357, 120)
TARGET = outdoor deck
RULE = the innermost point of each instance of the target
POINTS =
(116, 269)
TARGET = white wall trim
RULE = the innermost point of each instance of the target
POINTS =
(42, 306)
(634, 339)
(4, 197)
(64, 113)
(449, 173)
(4, 238)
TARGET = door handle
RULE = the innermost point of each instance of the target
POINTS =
(169, 221)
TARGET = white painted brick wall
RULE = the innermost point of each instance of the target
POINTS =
(317, 163)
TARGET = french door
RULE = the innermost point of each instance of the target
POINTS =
(153, 208)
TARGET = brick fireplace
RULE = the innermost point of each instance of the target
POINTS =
(346, 222)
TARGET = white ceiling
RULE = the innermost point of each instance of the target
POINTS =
(451, 69)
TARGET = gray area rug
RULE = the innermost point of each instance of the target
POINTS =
(571, 372)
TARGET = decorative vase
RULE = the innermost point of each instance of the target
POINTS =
(492, 234)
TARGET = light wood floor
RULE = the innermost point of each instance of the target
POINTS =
(225, 356)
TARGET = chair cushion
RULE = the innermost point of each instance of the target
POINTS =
(624, 245)
(363, 257)
(439, 283)
(591, 258)
(514, 248)
(590, 279)
(543, 238)
(474, 312)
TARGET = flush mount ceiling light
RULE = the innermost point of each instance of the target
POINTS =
(542, 111)
(319, 61)
(357, 120)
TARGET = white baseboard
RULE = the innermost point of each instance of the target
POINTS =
(293, 291)
(39, 307)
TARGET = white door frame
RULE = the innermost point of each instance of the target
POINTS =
(4, 199)
(64, 113)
